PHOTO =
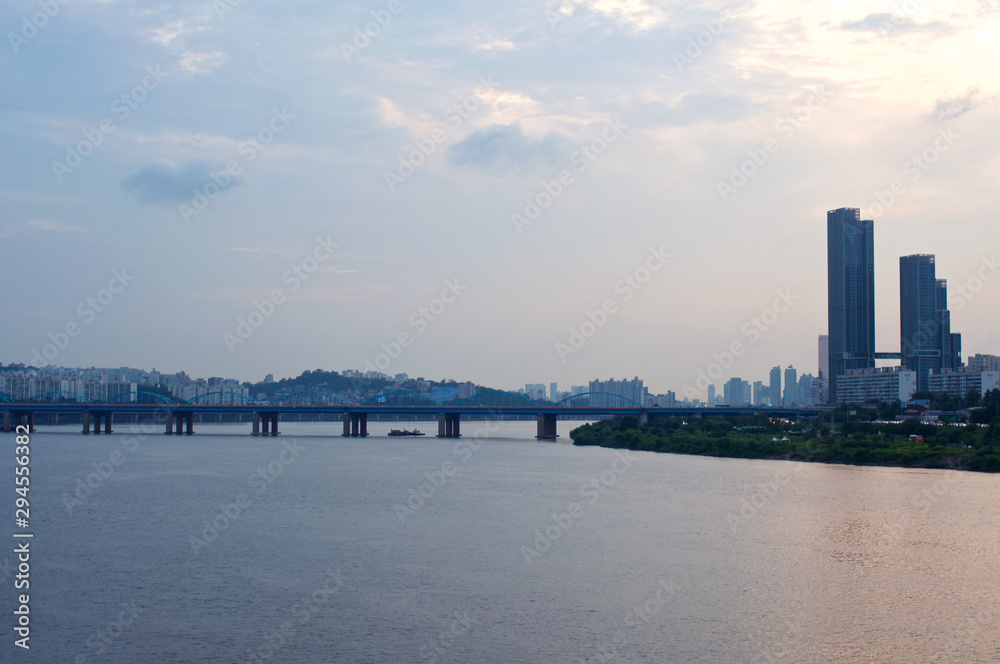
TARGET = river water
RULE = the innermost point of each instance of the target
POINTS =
(222, 547)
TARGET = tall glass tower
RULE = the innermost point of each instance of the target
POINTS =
(919, 326)
(850, 262)
(926, 339)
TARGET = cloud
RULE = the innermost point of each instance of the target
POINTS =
(503, 148)
(956, 107)
(885, 24)
(201, 63)
(167, 184)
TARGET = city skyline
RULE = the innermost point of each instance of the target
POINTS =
(845, 229)
(317, 218)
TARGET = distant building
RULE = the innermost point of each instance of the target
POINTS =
(736, 392)
(761, 393)
(553, 391)
(979, 362)
(711, 396)
(632, 390)
(805, 390)
(850, 249)
(535, 391)
(791, 387)
(958, 383)
(956, 351)
(824, 355)
(668, 400)
(466, 390)
(775, 386)
(820, 391)
(269, 378)
(876, 384)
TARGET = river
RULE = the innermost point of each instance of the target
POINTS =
(222, 547)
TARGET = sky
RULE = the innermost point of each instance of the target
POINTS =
(507, 193)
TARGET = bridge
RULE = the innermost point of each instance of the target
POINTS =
(178, 417)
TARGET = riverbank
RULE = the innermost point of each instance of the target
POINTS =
(972, 447)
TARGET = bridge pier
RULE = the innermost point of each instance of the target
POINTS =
(176, 422)
(265, 424)
(8, 424)
(643, 418)
(449, 425)
(547, 428)
(97, 415)
(25, 418)
(355, 425)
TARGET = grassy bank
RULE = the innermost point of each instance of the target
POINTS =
(968, 447)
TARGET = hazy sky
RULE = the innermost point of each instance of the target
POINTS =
(214, 153)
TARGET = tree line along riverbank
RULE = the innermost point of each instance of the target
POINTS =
(972, 446)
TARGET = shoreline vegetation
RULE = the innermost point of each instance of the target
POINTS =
(908, 444)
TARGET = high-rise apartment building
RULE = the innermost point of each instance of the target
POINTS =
(824, 355)
(927, 343)
(920, 331)
(850, 246)
(736, 392)
(979, 362)
(761, 393)
(805, 397)
(775, 385)
(791, 387)
(602, 391)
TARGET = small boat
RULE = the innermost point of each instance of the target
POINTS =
(406, 432)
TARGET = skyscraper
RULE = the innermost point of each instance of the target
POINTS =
(775, 385)
(925, 334)
(919, 326)
(791, 387)
(805, 390)
(850, 246)
(761, 393)
(732, 391)
(821, 386)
